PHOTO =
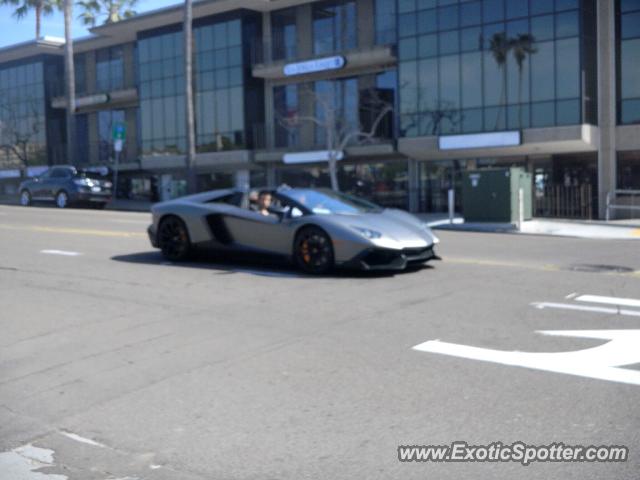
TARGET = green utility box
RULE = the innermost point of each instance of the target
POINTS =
(491, 195)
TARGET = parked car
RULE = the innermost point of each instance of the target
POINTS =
(316, 228)
(66, 185)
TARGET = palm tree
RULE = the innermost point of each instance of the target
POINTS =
(69, 79)
(112, 10)
(188, 95)
(522, 46)
(499, 45)
(40, 8)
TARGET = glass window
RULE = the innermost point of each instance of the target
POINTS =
(449, 42)
(543, 72)
(110, 69)
(385, 22)
(542, 27)
(285, 107)
(630, 25)
(283, 26)
(470, 13)
(568, 112)
(628, 169)
(448, 17)
(334, 26)
(568, 24)
(568, 68)
(493, 10)
(541, 6)
(427, 21)
(517, 8)
(428, 45)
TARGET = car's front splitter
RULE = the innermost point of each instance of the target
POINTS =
(389, 259)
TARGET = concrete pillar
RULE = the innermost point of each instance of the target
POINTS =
(366, 23)
(606, 102)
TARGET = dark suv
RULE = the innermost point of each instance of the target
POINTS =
(66, 185)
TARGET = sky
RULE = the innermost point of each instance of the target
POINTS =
(17, 31)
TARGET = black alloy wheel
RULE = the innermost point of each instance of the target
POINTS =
(313, 251)
(173, 239)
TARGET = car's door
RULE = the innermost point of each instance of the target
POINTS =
(39, 186)
(253, 230)
(57, 181)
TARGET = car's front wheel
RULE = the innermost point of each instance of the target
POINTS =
(313, 250)
(25, 198)
(62, 199)
(173, 239)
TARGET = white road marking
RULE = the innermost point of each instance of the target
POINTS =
(584, 308)
(599, 362)
(570, 296)
(78, 438)
(623, 302)
(63, 253)
(23, 462)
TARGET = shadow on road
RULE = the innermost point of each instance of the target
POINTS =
(251, 264)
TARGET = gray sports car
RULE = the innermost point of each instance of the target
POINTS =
(318, 229)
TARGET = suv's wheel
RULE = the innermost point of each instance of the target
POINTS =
(25, 198)
(173, 239)
(313, 251)
(62, 199)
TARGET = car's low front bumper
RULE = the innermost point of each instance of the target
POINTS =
(91, 197)
(388, 259)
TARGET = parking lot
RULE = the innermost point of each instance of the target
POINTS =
(116, 364)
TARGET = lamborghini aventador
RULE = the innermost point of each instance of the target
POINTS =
(318, 229)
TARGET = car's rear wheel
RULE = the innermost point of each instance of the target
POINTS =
(62, 199)
(173, 239)
(313, 250)
(25, 198)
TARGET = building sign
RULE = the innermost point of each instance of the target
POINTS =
(313, 66)
(480, 140)
(310, 157)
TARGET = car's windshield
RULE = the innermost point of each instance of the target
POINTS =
(325, 201)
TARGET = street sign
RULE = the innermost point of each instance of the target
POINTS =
(119, 132)
(602, 362)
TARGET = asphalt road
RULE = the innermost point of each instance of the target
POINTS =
(123, 366)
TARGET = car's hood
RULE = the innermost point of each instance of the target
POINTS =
(394, 224)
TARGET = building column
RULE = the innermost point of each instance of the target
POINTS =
(607, 101)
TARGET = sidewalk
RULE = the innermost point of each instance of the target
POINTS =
(614, 230)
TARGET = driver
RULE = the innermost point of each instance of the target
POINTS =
(264, 202)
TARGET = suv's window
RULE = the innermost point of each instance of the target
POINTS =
(60, 173)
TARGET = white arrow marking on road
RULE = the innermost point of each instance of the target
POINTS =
(64, 253)
(599, 362)
(584, 308)
(624, 302)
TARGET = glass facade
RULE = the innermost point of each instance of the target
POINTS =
(106, 120)
(284, 32)
(109, 69)
(334, 27)
(161, 87)
(474, 66)
(629, 61)
(220, 89)
(286, 106)
(219, 85)
(336, 107)
(385, 22)
(22, 116)
(628, 170)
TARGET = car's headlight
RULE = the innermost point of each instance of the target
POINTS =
(368, 233)
(83, 182)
